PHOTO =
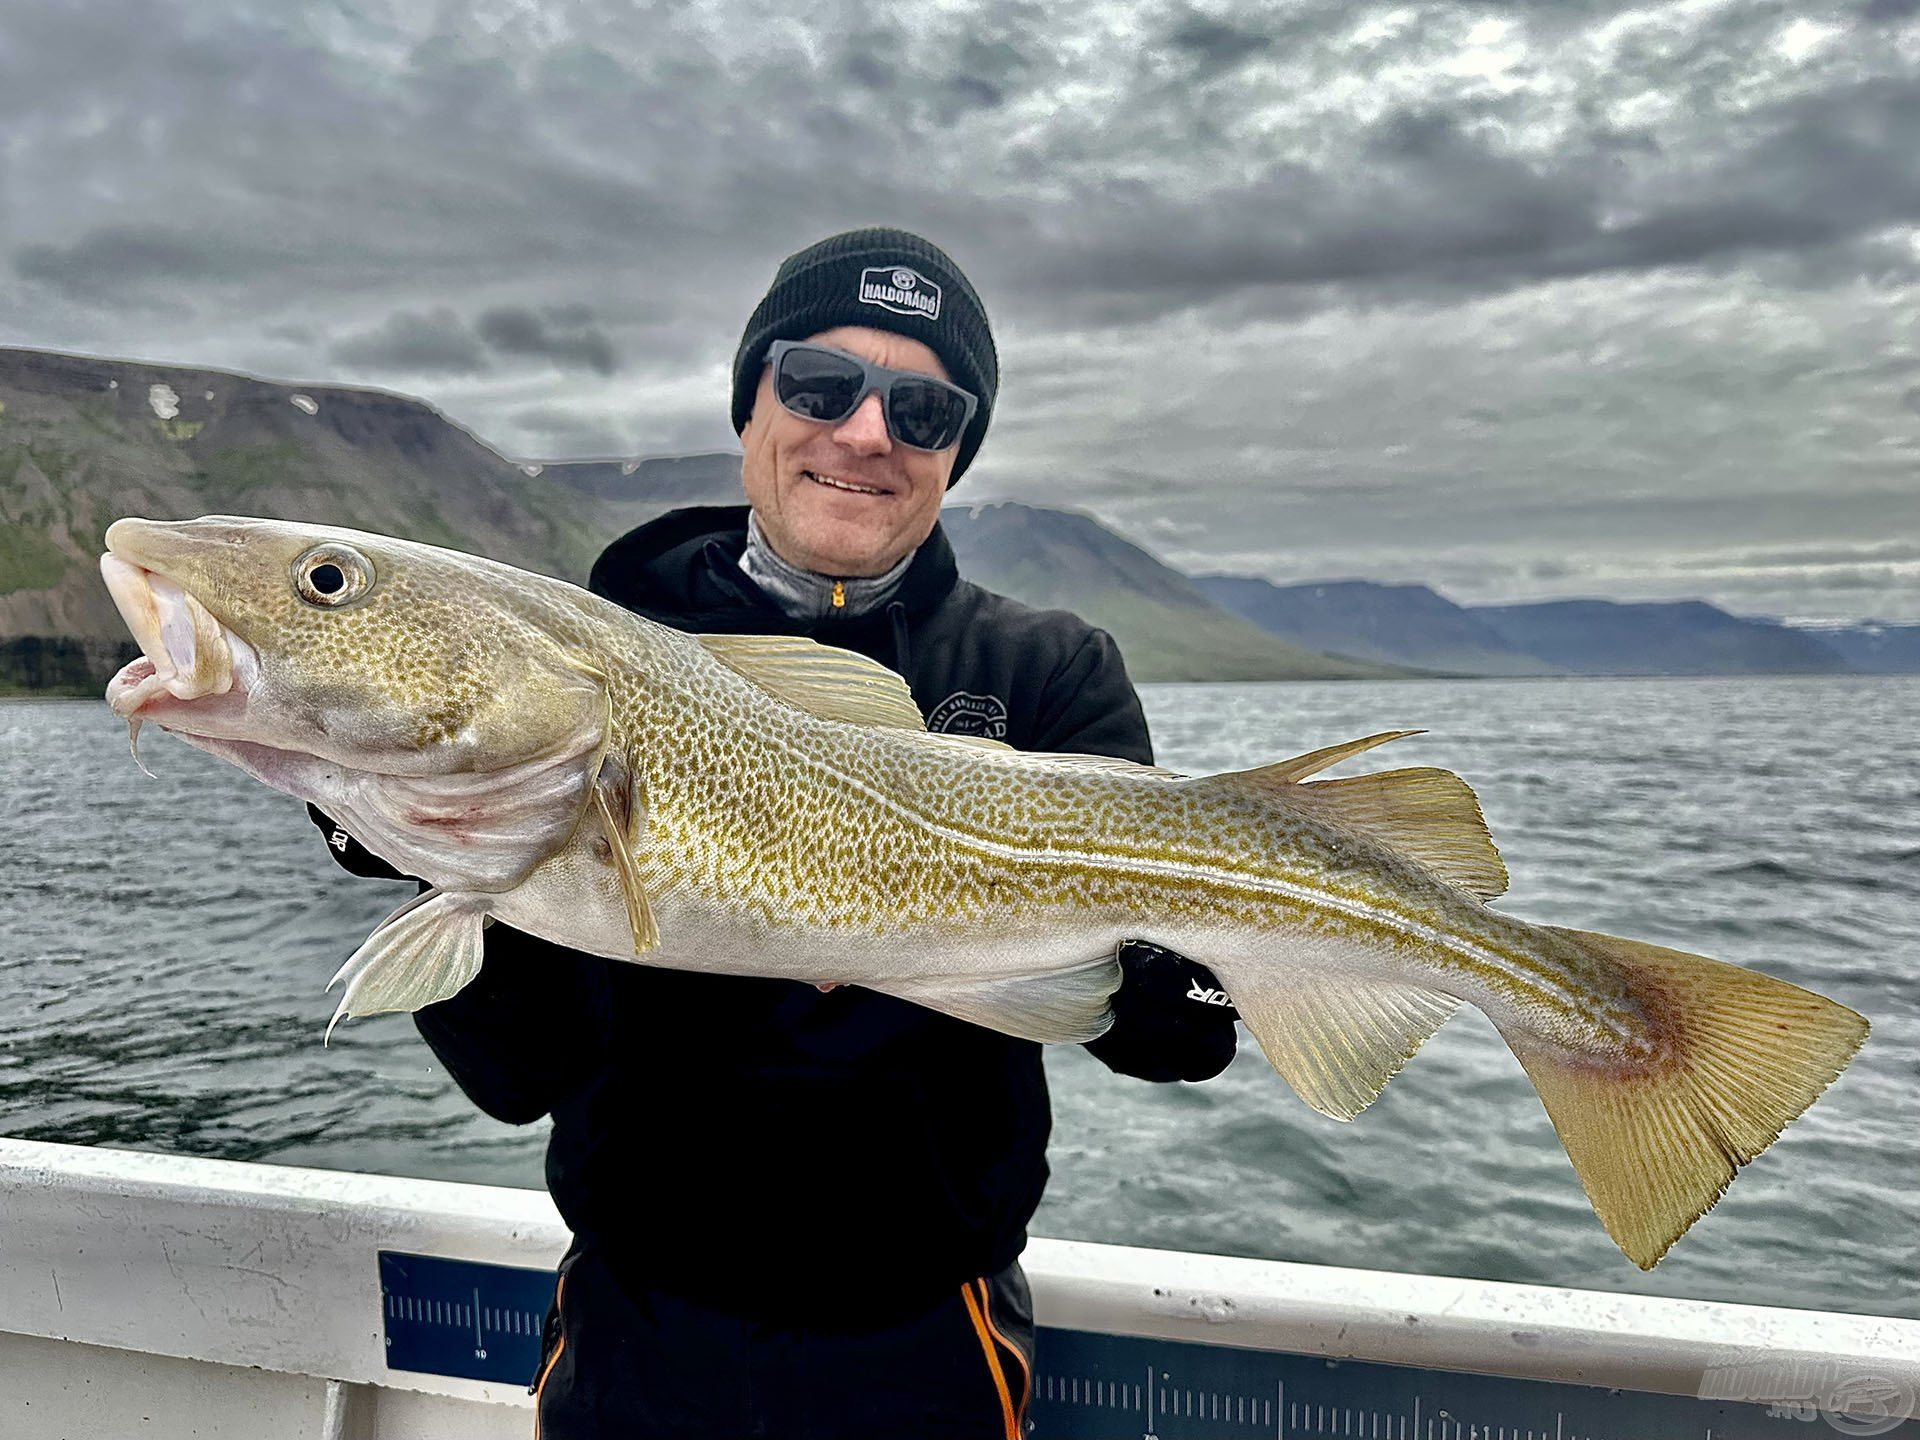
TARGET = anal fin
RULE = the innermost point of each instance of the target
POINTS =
(427, 950)
(1336, 1041)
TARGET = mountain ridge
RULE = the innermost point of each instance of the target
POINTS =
(1685, 637)
(85, 439)
(1401, 624)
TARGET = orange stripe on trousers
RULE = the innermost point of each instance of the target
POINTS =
(975, 1314)
(559, 1291)
(1026, 1375)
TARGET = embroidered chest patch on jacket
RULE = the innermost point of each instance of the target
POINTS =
(962, 713)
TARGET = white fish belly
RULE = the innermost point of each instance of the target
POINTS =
(578, 904)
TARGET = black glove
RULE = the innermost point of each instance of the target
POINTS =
(348, 852)
(1171, 1019)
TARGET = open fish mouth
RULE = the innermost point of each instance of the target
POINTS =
(186, 654)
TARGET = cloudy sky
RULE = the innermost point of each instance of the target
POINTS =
(1521, 300)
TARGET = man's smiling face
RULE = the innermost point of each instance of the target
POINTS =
(843, 498)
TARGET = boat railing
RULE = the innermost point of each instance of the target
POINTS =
(220, 1297)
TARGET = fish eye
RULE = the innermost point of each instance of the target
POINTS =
(331, 575)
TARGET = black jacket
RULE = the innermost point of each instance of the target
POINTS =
(759, 1145)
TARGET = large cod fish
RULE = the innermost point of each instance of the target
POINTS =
(770, 806)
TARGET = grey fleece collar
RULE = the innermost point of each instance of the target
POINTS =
(806, 595)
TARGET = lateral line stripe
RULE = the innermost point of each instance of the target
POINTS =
(1511, 967)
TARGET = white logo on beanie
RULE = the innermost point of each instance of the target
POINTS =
(903, 291)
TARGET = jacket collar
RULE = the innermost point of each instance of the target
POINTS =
(684, 567)
(809, 596)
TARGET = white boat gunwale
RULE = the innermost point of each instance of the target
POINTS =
(239, 1264)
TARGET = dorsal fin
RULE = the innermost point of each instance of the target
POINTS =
(1429, 815)
(1292, 772)
(1099, 765)
(832, 683)
(1050, 760)
(974, 742)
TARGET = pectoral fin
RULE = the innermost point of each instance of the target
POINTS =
(620, 807)
(425, 951)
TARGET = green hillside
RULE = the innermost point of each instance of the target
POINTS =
(85, 441)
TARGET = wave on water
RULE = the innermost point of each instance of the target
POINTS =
(167, 956)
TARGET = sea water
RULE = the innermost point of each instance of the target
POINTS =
(165, 943)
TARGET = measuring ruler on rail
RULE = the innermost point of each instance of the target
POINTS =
(1117, 1387)
(483, 1322)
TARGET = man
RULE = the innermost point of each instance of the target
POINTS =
(798, 1212)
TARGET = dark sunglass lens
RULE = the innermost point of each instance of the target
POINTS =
(816, 385)
(926, 416)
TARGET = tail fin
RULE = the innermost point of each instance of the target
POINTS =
(1656, 1148)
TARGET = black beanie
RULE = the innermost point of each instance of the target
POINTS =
(887, 280)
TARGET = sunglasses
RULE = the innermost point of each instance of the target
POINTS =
(819, 383)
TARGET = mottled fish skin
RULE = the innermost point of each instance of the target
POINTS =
(843, 852)
(860, 855)
(770, 807)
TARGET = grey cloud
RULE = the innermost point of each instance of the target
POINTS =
(1432, 201)
(1888, 552)
(439, 342)
(560, 431)
(1215, 45)
(1878, 579)
(570, 430)
(517, 331)
(974, 93)
(114, 262)
(436, 342)
(882, 59)
(996, 57)
(1140, 197)
(1827, 167)
(1652, 282)
(867, 61)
